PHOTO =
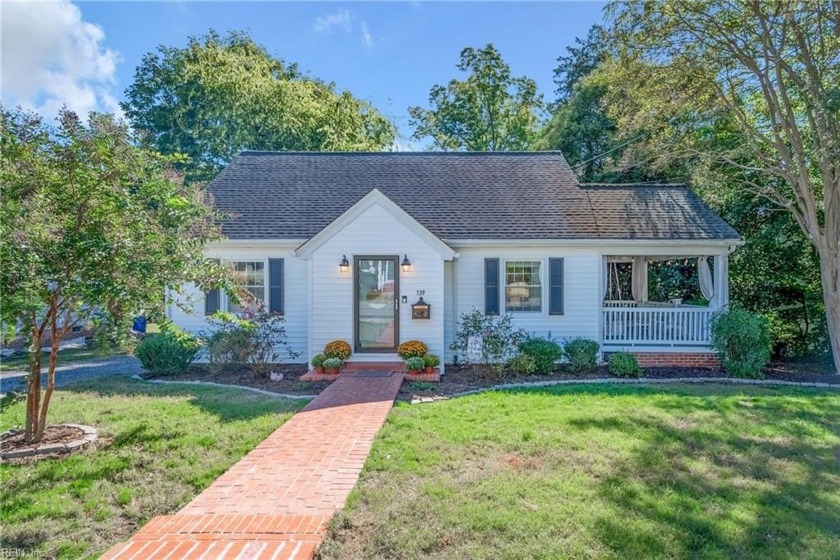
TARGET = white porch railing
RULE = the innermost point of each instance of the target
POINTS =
(657, 326)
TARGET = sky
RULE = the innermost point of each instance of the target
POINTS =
(84, 54)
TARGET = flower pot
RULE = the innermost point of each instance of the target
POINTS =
(332, 371)
(319, 369)
(413, 371)
(430, 369)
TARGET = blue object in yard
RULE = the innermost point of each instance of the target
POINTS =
(139, 324)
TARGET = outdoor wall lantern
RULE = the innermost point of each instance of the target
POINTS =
(406, 264)
(344, 265)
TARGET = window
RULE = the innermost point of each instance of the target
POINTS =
(250, 277)
(523, 286)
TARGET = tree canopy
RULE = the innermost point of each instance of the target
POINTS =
(750, 90)
(223, 94)
(490, 110)
(92, 228)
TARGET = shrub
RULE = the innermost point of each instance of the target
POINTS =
(497, 337)
(624, 364)
(582, 354)
(523, 364)
(544, 351)
(412, 349)
(415, 363)
(258, 341)
(743, 340)
(338, 349)
(431, 360)
(318, 360)
(167, 353)
(333, 364)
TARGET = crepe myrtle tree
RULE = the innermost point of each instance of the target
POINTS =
(92, 227)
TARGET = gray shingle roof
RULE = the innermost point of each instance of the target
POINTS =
(455, 195)
(654, 212)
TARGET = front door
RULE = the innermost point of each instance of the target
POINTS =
(376, 305)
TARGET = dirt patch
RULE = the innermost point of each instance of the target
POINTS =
(57, 440)
(52, 434)
(470, 378)
(243, 377)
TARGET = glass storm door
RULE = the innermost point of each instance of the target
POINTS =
(377, 318)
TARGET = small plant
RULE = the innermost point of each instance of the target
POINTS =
(624, 364)
(523, 364)
(257, 341)
(496, 337)
(582, 354)
(545, 352)
(333, 364)
(167, 353)
(337, 349)
(305, 386)
(415, 364)
(412, 349)
(318, 361)
(431, 361)
(422, 386)
(743, 339)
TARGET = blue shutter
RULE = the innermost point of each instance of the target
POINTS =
(212, 299)
(491, 286)
(555, 286)
(275, 286)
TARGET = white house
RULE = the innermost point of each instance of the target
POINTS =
(344, 244)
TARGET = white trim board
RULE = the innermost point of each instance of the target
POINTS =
(374, 198)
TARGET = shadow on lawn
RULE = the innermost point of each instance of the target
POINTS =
(214, 400)
(732, 477)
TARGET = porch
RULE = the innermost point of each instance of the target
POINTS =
(633, 316)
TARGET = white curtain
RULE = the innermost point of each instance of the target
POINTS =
(605, 277)
(707, 286)
(639, 284)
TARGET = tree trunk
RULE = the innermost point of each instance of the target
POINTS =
(830, 274)
(33, 395)
(54, 347)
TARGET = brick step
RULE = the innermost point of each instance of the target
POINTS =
(172, 549)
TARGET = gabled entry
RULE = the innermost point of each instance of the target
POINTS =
(375, 303)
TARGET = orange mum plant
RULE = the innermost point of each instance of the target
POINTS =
(412, 349)
(338, 349)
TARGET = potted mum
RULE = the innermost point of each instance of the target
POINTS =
(318, 362)
(415, 364)
(431, 361)
(332, 365)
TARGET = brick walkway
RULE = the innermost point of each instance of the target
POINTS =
(277, 501)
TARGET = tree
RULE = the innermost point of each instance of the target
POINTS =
(581, 127)
(93, 228)
(489, 111)
(771, 72)
(221, 95)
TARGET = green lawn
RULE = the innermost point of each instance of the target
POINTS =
(164, 444)
(602, 472)
(67, 356)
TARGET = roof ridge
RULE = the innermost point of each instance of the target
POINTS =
(633, 185)
(410, 153)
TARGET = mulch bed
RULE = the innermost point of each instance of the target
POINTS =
(52, 434)
(290, 384)
(470, 378)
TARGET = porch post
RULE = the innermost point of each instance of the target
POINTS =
(721, 276)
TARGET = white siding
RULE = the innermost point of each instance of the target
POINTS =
(295, 291)
(582, 301)
(375, 232)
